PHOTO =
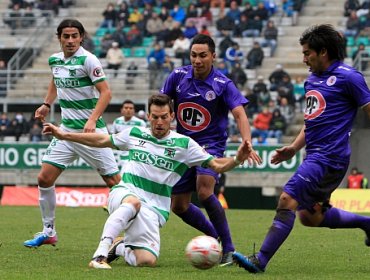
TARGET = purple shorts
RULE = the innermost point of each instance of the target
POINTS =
(188, 181)
(314, 181)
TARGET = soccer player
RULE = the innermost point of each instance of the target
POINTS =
(334, 91)
(127, 120)
(203, 98)
(80, 85)
(140, 204)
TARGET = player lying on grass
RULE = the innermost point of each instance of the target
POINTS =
(140, 204)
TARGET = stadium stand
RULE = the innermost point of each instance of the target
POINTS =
(31, 86)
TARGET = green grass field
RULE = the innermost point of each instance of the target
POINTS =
(308, 253)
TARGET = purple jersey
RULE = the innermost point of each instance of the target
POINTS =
(202, 107)
(332, 99)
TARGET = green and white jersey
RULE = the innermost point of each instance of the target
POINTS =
(119, 124)
(156, 165)
(75, 78)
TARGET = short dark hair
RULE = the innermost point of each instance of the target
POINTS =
(71, 23)
(160, 100)
(128, 101)
(204, 39)
(324, 36)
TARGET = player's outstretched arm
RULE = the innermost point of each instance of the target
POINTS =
(243, 125)
(98, 140)
(221, 165)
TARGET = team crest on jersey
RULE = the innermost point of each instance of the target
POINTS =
(315, 105)
(56, 70)
(98, 72)
(170, 142)
(169, 152)
(331, 81)
(193, 116)
(210, 95)
(72, 72)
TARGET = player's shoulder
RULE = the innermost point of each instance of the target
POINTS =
(346, 74)
(138, 120)
(181, 139)
(182, 70)
(219, 78)
(119, 119)
(56, 58)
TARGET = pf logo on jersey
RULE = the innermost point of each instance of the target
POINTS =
(315, 105)
(193, 116)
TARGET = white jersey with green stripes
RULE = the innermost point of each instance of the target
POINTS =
(75, 78)
(156, 165)
(119, 124)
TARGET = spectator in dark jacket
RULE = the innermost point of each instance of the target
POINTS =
(255, 56)
(238, 76)
(277, 126)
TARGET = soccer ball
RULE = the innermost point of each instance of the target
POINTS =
(203, 252)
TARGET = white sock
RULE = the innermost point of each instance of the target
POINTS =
(115, 224)
(47, 202)
(130, 257)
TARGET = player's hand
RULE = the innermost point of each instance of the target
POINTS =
(254, 158)
(244, 151)
(41, 113)
(283, 154)
(50, 129)
(90, 126)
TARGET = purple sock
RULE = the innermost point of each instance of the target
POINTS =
(278, 232)
(218, 218)
(337, 218)
(195, 218)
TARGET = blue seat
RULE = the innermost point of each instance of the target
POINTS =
(362, 40)
(148, 41)
(350, 41)
(139, 52)
(126, 52)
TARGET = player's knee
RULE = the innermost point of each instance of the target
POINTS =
(310, 219)
(287, 202)
(306, 221)
(146, 260)
(178, 208)
(134, 201)
(44, 181)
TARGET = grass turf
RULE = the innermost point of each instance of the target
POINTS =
(308, 253)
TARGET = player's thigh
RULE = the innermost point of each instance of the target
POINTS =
(180, 202)
(101, 159)
(143, 233)
(59, 153)
(116, 196)
(314, 181)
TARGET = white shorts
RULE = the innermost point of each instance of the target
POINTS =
(143, 231)
(61, 153)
